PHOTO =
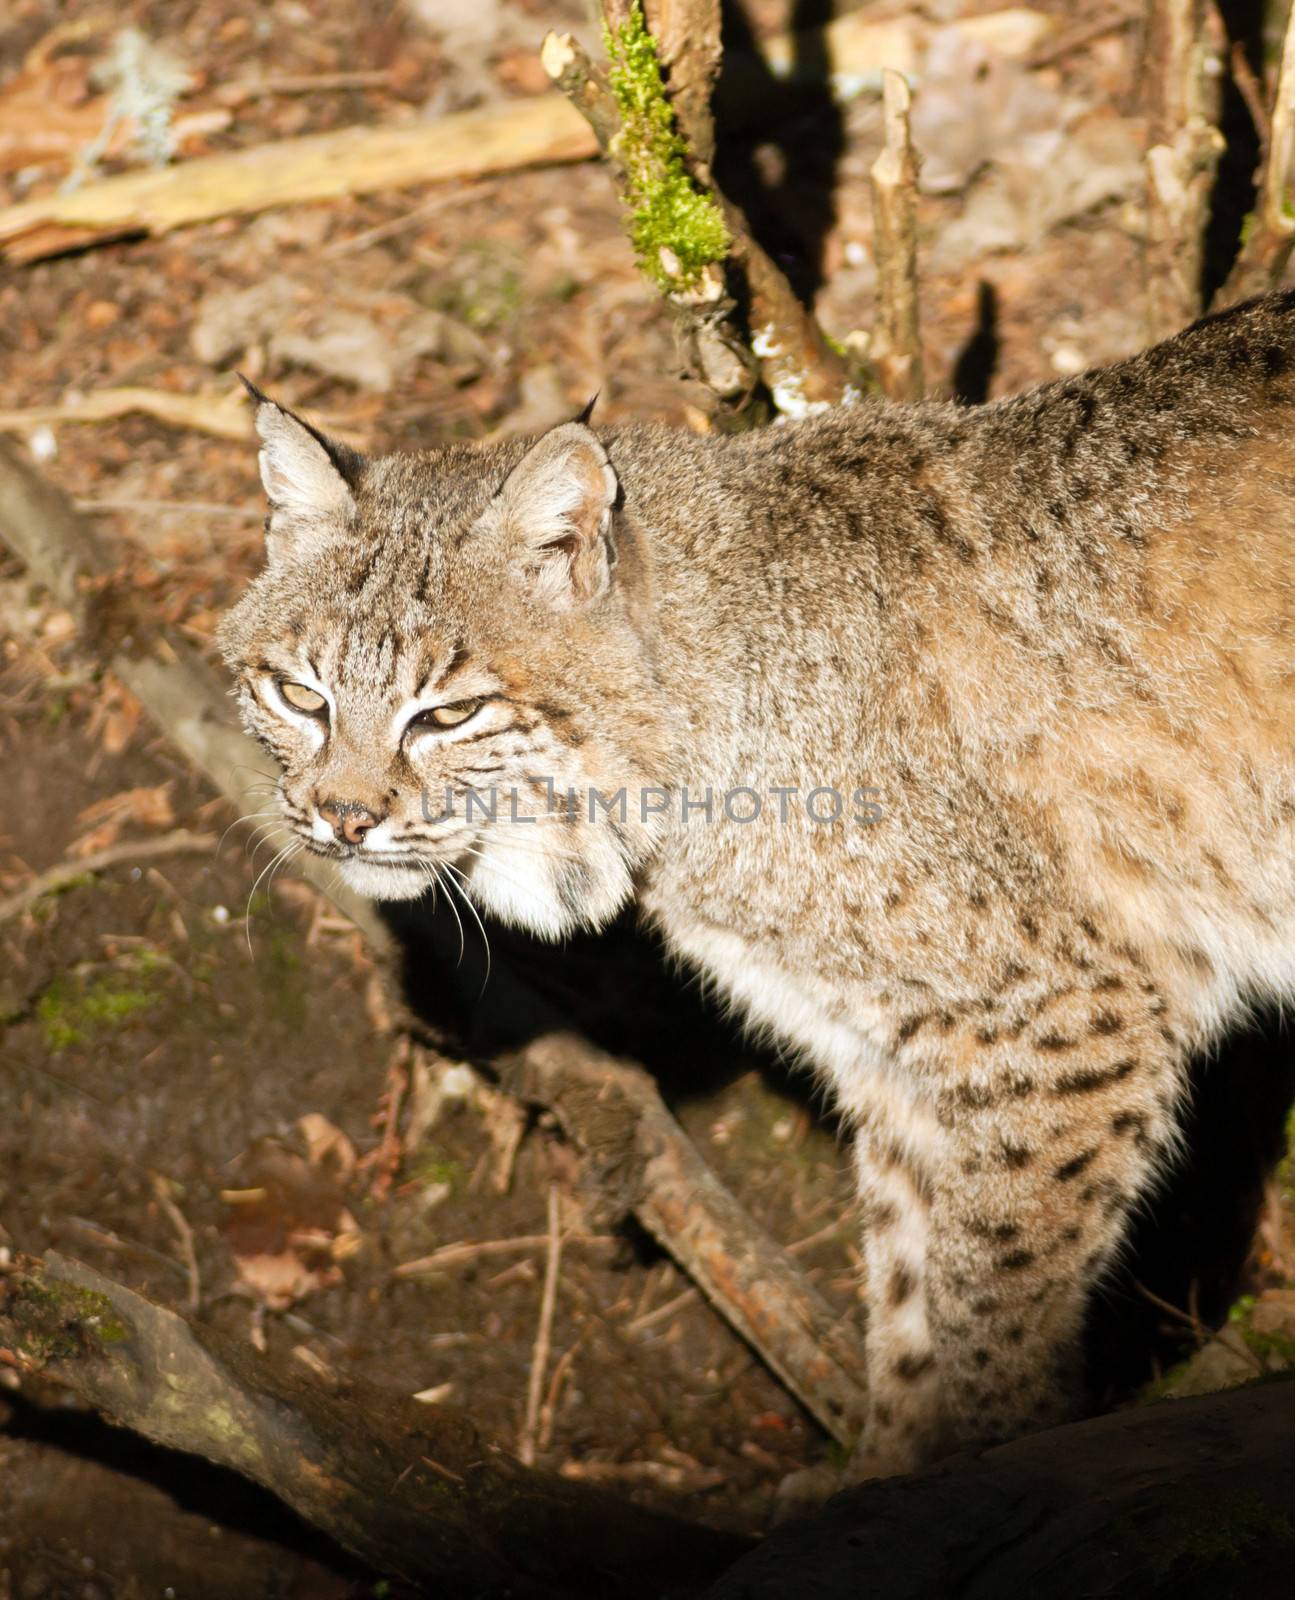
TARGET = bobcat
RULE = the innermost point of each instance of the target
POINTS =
(955, 747)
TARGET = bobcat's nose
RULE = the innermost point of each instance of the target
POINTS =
(348, 819)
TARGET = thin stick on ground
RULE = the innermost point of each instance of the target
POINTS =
(55, 879)
(454, 1255)
(184, 1233)
(896, 346)
(662, 1313)
(1204, 1335)
(549, 1410)
(544, 1333)
(1183, 152)
(1270, 235)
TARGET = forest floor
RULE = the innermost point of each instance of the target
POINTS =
(193, 1062)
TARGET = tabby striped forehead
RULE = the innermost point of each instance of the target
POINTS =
(400, 560)
(378, 658)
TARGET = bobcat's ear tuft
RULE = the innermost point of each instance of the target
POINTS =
(556, 509)
(308, 478)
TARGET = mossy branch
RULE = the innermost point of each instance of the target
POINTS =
(677, 229)
(415, 1490)
(690, 239)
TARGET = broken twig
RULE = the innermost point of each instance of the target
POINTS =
(1270, 231)
(455, 1255)
(55, 879)
(184, 1234)
(641, 1160)
(544, 1333)
(1183, 152)
(896, 345)
(652, 143)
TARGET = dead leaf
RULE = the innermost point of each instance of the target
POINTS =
(328, 1149)
(288, 1226)
(115, 717)
(104, 820)
(151, 807)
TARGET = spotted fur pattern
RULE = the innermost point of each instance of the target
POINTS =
(1056, 635)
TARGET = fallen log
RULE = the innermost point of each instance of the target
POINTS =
(469, 144)
(1182, 1498)
(414, 1490)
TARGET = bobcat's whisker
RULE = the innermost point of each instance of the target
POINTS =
(461, 886)
(289, 850)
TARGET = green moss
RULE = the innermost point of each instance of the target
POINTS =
(64, 1315)
(1205, 1531)
(485, 292)
(69, 1014)
(564, 288)
(676, 230)
(430, 1167)
(1241, 1308)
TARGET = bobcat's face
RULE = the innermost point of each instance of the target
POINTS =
(430, 655)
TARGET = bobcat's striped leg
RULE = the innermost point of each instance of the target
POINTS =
(895, 1156)
(1065, 1119)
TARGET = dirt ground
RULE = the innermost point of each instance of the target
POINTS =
(194, 1058)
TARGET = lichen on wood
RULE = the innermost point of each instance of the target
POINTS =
(677, 230)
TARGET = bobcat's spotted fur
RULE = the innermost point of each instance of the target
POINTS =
(1056, 635)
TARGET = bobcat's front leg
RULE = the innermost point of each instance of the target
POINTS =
(897, 1152)
(993, 1204)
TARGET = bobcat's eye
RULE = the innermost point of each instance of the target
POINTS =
(445, 716)
(300, 698)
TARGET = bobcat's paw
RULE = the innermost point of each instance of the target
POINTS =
(804, 1491)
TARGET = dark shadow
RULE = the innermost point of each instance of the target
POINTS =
(617, 987)
(194, 1485)
(973, 371)
(794, 128)
(1191, 1245)
(1233, 195)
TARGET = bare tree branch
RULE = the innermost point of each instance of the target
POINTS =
(1270, 231)
(641, 1160)
(896, 345)
(1182, 155)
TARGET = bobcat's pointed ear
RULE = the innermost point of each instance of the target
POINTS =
(556, 511)
(308, 478)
